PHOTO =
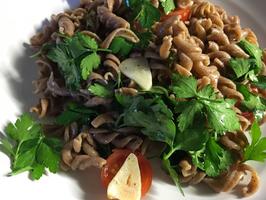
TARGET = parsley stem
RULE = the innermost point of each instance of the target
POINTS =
(168, 155)
(104, 50)
(20, 171)
(207, 99)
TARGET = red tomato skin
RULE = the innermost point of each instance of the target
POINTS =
(184, 14)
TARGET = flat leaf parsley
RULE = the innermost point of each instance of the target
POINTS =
(29, 149)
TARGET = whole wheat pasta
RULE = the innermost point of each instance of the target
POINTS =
(112, 111)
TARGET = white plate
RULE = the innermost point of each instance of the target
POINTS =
(18, 20)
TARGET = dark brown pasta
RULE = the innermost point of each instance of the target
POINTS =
(201, 47)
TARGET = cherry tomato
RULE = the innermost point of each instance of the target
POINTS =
(183, 13)
(116, 160)
(249, 115)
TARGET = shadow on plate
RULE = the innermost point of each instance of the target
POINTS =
(89, 182)
(21, 87)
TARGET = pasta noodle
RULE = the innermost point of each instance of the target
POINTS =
(201, 45)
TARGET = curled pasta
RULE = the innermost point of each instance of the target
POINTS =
(120, 138)
(232, 179)
(110, 20)
(189, 173)
(165, 47)
(203, 9)
(228, 89)
(80, 153)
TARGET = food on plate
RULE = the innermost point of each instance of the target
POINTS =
(126, 184)
(119, 78)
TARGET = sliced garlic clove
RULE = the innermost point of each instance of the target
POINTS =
(137, 69)
(126, 185)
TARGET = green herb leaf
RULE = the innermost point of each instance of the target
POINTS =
(25, 142)
(192, 139)
(144, 39)
(207, 92)
(25, 155)
(144, 12)
(158, 90)
(240, 66)
(7, 147)
(247, 68)
(75, 56)
(66, 65)
(152, 115)
(184, 87)
(253, 50)
(173, 174)
(48, 156)
(186, 118)
(217, 159)
(100, 90)
(25, 128)
(74, 113)
(261, 82)
(219, 113)
(88, 64)
(220, 116)
(88, 42)
(168, 5)
(257, 149)
(37, 171)
(121, 46)
(251, 101)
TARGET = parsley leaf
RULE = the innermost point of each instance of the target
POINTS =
(121, 46)
(217, 159)
(144, 12)
(37, 171)
(60, 55)
(144, 39)
(251, 101)
(74, 113)
(87, 42)
(257, 149)
(247, 68)
(186, 118)
(260, 82)
(207, 92)
(220, 116)
(240, 66)
(88, 64)
(168, 5)
(219, 113)
(184, 87)
(47, 155)
(100, 90)
(29, 149)
(25, 128)
(254, 51)
(76, 58)
(192, 139)
(151, 115)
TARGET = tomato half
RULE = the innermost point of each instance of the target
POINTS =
(184, 14)
(116, 160)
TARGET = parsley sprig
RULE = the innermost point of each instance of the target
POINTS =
(219, 113)
(247, 68)
(29, 149)
(256, 150)
(76, 58)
